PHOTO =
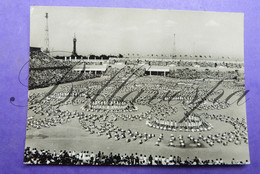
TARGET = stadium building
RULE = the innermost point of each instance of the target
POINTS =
(92, 69)
(157, 70)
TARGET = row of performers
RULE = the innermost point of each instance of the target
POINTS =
(187, 124)
(114, 105)
(109, 103)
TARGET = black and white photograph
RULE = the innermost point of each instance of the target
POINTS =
(124, 86)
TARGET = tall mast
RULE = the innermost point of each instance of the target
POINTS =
(74, 52)
(174, 46)
(47, 49)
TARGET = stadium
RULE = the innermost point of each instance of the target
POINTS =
(134, 109)
(137, 108)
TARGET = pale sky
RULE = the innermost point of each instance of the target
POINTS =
(139, 31)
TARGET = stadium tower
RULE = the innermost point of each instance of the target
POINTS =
(174, 46)
(47, 50)
(74, 53)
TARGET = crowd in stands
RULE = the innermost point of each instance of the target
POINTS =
(48, 77)
(188, 73)
(127, 70)
(63, 157)
(178, 63)
(46, 71)
(40, 59)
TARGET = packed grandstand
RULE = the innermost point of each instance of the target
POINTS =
(43, 66)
